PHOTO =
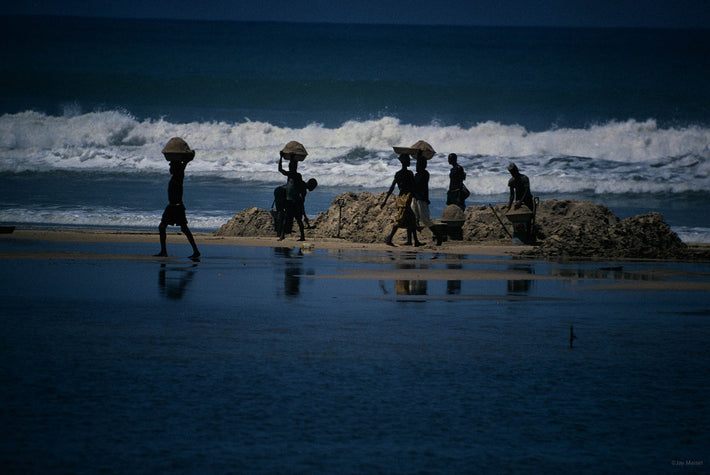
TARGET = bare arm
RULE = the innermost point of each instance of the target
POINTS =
(281, 166)
(389, 192)
(510, 199)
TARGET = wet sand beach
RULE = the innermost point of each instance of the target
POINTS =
(369, 252)
(326, 356)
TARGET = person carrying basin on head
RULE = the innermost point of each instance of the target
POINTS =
(404, 180)
(178, 153)
(295, 188)
(457, 192)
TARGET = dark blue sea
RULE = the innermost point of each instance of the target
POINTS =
(618, 116)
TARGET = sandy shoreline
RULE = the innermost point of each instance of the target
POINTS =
(175, 237)
(122, 236)
(647, 280)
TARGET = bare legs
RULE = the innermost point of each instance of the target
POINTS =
(163, 238)
(410, 233)
(292, 212)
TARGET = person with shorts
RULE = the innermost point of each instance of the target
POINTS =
(178, 153)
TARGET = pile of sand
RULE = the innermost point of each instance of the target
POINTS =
(586, 229)
(252, 222)
(565, 228)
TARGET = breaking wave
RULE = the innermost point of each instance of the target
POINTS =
(616, 157)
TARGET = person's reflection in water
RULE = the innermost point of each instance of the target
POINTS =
(174, 287)
(520, 286)
(453, 287)
(292, 271)
(410, 287)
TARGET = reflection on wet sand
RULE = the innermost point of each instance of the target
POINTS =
(520, 286)
(453, 287)
(173, 287)
(410, 287)
(617, 278)
(618, 273)
(292, 271)
(416, 275)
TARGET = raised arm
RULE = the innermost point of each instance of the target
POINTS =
(281, 166)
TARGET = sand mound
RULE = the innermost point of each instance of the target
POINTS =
(565, 228)
(585, 229)
(251, 222)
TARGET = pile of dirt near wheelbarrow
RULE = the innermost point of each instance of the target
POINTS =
(586, 229)
(564, 228)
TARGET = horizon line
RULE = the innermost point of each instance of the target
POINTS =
(355, 23)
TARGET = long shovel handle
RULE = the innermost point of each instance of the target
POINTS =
(500, 221)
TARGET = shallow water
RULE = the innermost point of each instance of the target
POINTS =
(248, 361)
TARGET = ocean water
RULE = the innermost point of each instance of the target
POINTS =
(254, 361)
(615, 116)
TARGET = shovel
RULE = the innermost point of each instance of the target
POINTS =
(500, 221)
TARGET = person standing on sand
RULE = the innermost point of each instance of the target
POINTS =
(404, 179)
(420, 204)
(458, 192)
(310, 185)
(178, 153)
(520, 195)
(295, 187)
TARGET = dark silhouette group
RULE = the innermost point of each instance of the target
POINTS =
(290, 199)
(413, 200)
(412, 203)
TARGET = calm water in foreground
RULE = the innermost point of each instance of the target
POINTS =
(249, 361)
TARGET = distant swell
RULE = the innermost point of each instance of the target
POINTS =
(615, 157)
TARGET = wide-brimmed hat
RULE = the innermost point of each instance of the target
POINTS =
(178, 149)
(426, 150)
(296, 149)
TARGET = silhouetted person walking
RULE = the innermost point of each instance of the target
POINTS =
(404, 180)
(420, 205)
(178, 153)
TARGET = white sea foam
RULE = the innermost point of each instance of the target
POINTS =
(102, 217)
(112, 218)
(693, 234)
(617, 157)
